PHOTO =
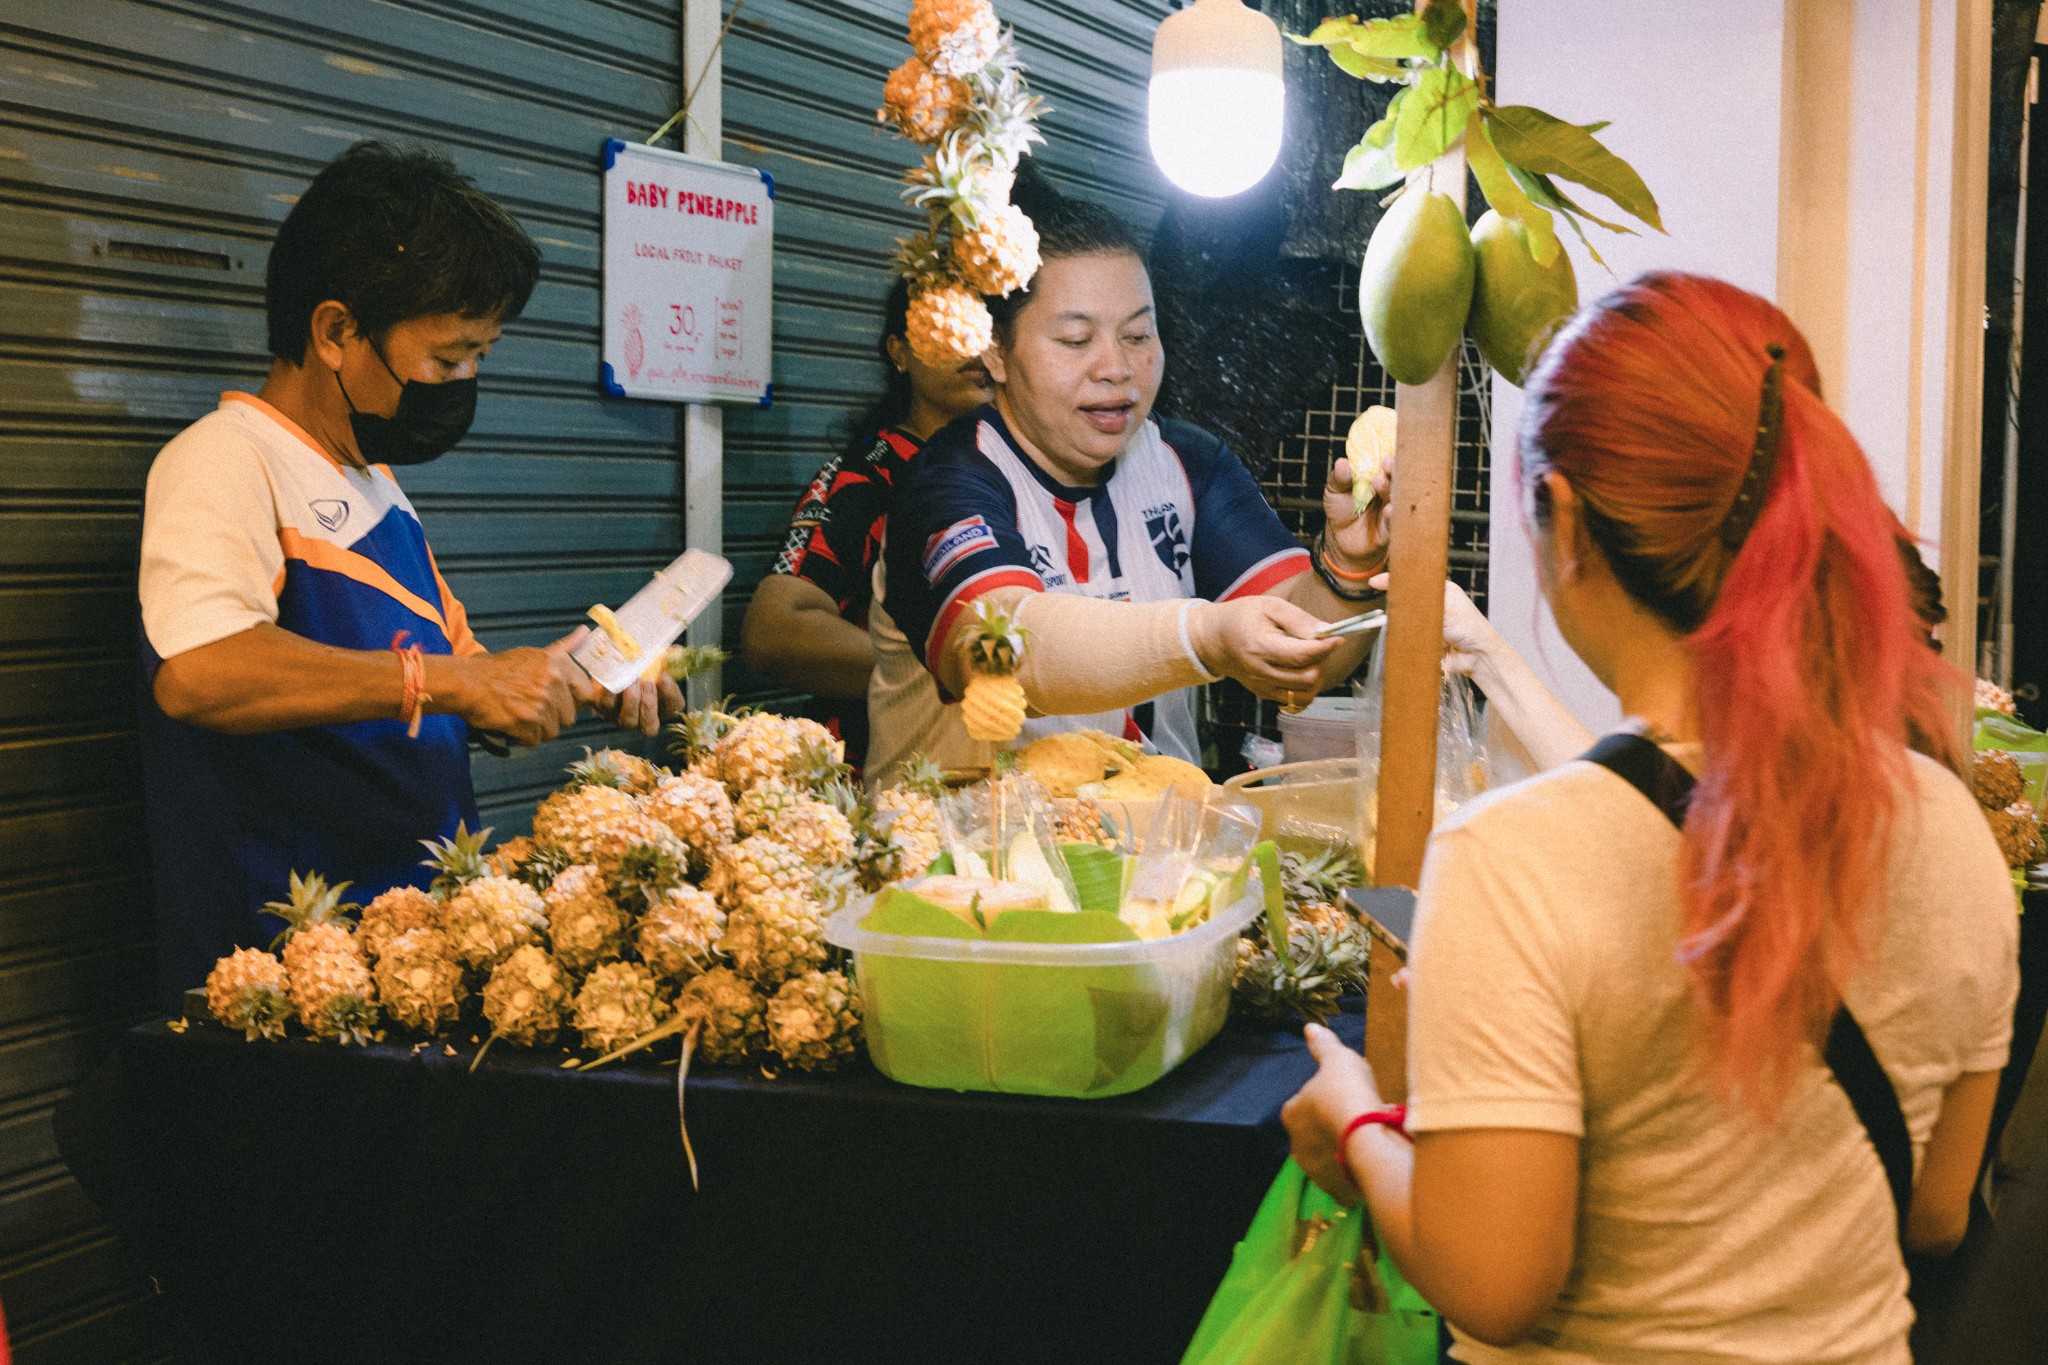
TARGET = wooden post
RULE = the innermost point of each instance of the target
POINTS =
(1420, 524)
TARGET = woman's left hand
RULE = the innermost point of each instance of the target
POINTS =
(1341, 1090)
(1360, 537)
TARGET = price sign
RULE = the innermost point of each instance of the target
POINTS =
(688, 277)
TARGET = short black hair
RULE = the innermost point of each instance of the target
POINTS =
(395, 233)
(1066, 227)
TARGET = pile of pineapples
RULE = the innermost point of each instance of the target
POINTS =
(646, 901)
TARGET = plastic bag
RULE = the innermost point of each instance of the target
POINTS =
(1461, 760)
(1309, 1285)
(1191, 852)
(1002, 828)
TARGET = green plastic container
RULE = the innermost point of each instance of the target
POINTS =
(1076, 1019)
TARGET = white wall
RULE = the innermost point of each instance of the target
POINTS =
(1804, 149)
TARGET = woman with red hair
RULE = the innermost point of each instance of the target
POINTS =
(1629, 1141)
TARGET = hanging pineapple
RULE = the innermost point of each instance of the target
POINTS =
(248, 990)
(993, 705)
(962, 95)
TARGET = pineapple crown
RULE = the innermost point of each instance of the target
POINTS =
(996, 645)
(457, 860)
(645, 873)
(682, 662)
(312, 903)
(1321, 875)
(600, 769)
(820, 771)
(540, 868)
(921, 773)
(692, 737)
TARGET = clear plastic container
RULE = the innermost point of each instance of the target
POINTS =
(1326, 728)
(1076, 1019)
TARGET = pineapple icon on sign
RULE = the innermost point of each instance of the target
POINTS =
(636, 349)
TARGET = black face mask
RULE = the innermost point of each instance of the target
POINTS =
(430, 419)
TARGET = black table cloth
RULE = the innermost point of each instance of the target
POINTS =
(311, 1203)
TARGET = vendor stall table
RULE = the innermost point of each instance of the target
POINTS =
(309, 1203)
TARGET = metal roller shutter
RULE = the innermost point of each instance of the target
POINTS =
(802, 81)
(147, 154)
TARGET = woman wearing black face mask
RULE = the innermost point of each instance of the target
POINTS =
(310, 682)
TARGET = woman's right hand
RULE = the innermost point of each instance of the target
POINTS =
(1265, 642)
(1470, 641)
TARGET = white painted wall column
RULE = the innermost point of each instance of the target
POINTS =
(704, 423)
(1829, 154)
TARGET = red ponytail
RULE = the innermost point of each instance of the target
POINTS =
(1814, 675)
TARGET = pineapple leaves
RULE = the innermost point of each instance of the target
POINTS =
(1540, 143)
(1508, 198)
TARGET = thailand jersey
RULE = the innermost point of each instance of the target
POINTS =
(246, 520)
(1174, 516)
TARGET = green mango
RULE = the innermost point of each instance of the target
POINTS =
(1416, 285)
(1517, 305)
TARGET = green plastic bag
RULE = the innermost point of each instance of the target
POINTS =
(1309, 1285)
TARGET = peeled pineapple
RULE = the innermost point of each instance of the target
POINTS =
(954, 37)
(332, 991)
(923, 105)
(732, 1015)
(948, 325)
(525, 997)
(760, 804)
(760, 747)
(249, 990)
(395, 912)
(1369, 445)
(615, 768)
(774, 936)
(999, 254)
(585, 924)
(697, 810)
(571, 820)
(491, 916)
(619, 1002)
(814, 1021)
(993, 705)
(741, 871)
(817, 831)
(419, 982)
(678, 936)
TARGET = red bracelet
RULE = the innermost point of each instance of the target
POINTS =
(412, 704)
(1394, 1116)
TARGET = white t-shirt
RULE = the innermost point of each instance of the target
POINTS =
(1546, 994)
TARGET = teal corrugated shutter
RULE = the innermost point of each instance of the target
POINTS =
(146, 157)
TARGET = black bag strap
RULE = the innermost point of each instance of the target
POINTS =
(1666, 784)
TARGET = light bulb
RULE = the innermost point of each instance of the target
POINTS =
(1217, 100)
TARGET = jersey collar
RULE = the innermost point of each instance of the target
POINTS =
(1064, 493)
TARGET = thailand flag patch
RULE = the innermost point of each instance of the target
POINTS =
(948, 547)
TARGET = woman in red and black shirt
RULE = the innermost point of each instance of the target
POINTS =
(807, 625)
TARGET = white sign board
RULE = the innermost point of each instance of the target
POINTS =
(688, 277)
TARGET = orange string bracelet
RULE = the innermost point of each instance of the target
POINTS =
(412, 705)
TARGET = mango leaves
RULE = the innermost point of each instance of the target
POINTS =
(1543, 145)
(1517, 153)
